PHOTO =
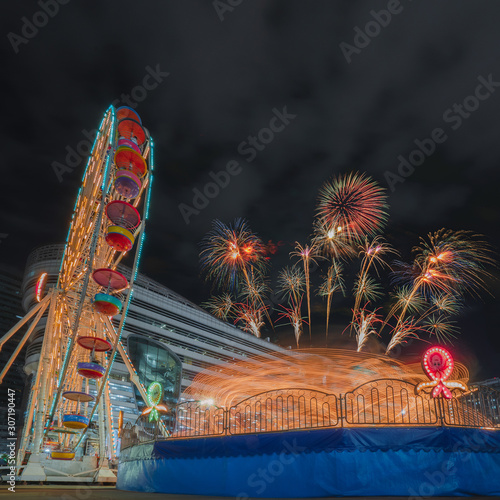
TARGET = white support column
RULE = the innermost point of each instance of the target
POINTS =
(104, 474)
(109, 421)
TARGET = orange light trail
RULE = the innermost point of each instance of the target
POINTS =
(333, 371)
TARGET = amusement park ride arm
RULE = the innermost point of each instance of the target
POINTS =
(22, 321)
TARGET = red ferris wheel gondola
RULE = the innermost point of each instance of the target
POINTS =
(128, 159)
(133, 130)
(126, 112)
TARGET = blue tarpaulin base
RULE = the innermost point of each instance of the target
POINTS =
(412, 462)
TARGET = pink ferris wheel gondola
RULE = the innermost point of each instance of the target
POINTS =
(105, 303)
(110, 279)
(123, 214)
(122, 142)
(124, 218)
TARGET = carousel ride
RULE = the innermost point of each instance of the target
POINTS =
(69, 404)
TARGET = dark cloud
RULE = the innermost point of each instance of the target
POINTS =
(225, 80)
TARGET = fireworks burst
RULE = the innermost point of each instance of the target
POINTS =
(408, 301)
(461, 256)
(441, 327)
(351, 210)
(408, 328)
(307, 255)
(291, 282)
(254, 291)
(331, 240)
(417, 285)
(220, 306)
(448, 264)
(354, 204)
(292, 314)
(446, 304)
(364, 325)
(333, 282)
(250, 317)
(231, 252)
(367, 289)
(372, 253)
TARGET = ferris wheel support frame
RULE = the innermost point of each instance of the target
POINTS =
(43, 305)
(34, 471)
(69, 311)
(20, 324)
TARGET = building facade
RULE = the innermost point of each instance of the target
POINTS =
(491, 386)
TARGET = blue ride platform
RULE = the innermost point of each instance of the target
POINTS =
(363, 461)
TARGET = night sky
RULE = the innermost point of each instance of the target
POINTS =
(221, 72)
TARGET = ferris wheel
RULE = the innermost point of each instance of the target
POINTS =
(70, 392)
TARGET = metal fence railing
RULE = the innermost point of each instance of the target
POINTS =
(283, 410)
(384, 402)
(389, 402)
(198, 420)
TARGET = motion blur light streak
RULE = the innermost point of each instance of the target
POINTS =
(331, 371)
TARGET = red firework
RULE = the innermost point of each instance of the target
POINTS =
(354, 204)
